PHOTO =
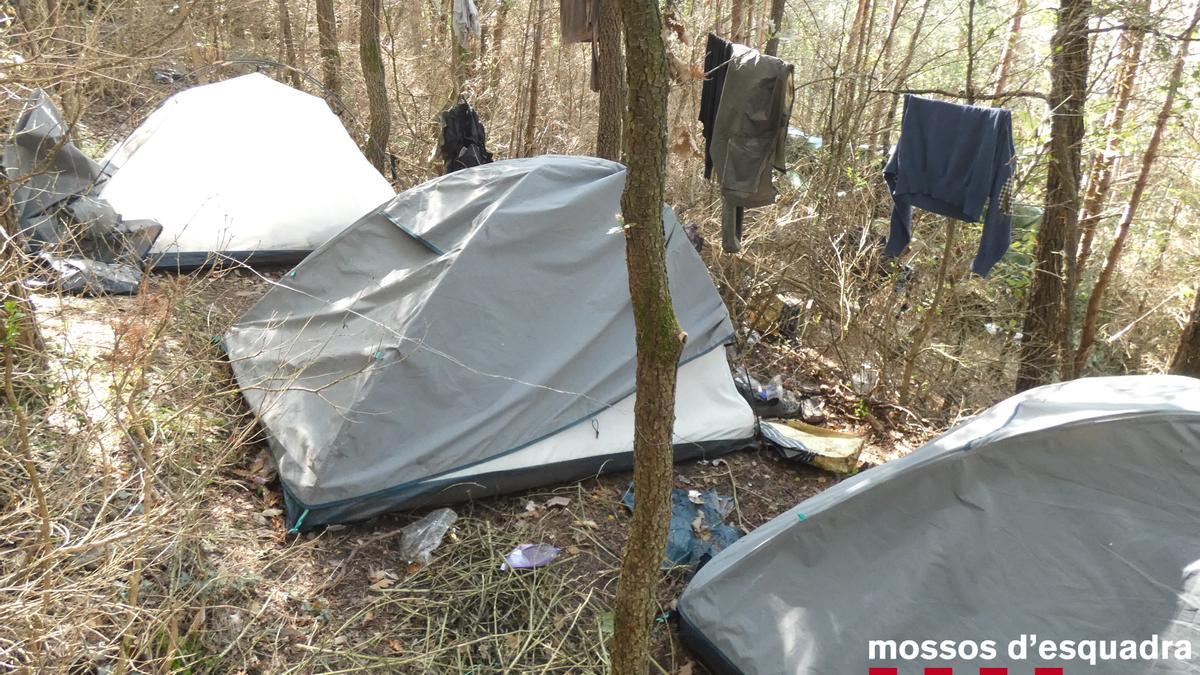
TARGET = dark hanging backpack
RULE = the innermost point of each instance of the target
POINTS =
(464, 142)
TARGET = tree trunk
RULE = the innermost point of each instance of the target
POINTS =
(1100, 175)
(288, 44)
(737, 20)
(970, 91)
(885, 63)
(659, 338)
(1187, 356)
(748, 23)
(372, 67)
(1043, 326)
(776, 27)
(1010, 48)
(612, 82)
(528, 147)
(1087, 334)
(331, 58)
(903, 73)
(844, 101)
(497, 47)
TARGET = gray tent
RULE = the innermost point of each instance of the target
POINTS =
(472, 336)
(1068, 513)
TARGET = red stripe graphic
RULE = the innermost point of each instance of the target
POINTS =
(1048, 671)
(882, 671)
(993, 671)
(939, 671)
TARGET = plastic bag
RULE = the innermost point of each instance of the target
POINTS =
(419, 540)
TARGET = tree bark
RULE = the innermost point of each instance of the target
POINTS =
(1010, 48)
(1187, 355)
(885, 63)
(372, 67)
(903, 73)
(1100, 174)
(1087, 334)
(528, 147)
(659, 338)
(737, 20)
(331, 58)
(1043, 325)
(612, 82)
(777, 26)
(847, 71)
(288, 44)
(497, 47)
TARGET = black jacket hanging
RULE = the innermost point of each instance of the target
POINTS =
(464, 141)
(716, 55)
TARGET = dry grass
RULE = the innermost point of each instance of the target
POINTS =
(220, 586)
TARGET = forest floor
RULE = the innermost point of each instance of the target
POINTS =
(258, 599)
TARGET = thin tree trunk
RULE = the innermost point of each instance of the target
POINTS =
(843, 103)
(1087, 335)
(659, 338)
(748, 23)
(856, 30)
(289, 45)
(1187, 355)
(1101, 173)
(854, 49)
(497, 47)
(737, 20)
(776, 27)
(932, 314)
(331, 58)
(970, 52)
(903, 74)
(1100, 176)
(1039, 357)
(762, 23)
(1010, 47)
(885, 63)
(372, 67)
(612, 82)
(528, 146)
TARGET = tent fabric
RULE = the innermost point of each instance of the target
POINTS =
(471, 336)
(82, 245)
(43, 163)
(248, 168)
(1068, 512)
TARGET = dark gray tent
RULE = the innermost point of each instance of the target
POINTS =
(472, 336)
(1068, 513)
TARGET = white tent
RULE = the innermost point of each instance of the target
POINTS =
(248, 168)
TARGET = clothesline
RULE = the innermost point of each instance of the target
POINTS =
(942, 92)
